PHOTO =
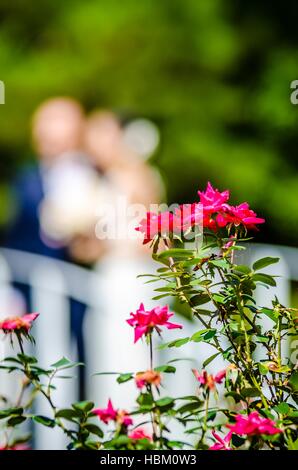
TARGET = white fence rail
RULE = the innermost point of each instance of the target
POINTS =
(109, 292)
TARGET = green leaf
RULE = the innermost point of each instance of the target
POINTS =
(220, 263)
(262, 338)
(263, 262)
(179, 342)
(68, 414)
(161, 296)
(27, 359)
(264, 278)
(176, 253)
(65, 363)
(220, 299)
(282, 408)
(11, 412)
(198, 336)
(237, 441)
(250, 392)
(166, 368)
(15, 420)
(50, 423)
(124, 378)
(145, 399)
(270, 314)
(210, 334)
(293, 445)
(164, 402)
(294, 381)
(242, 269)
(84, 406)
(94, 429)
(237, 397)
(263, 369)
(200, 311)
(190, 407)
(199, 299)
(61, 363)
(211, 415)
(210, 359)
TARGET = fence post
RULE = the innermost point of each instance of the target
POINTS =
(53, 341)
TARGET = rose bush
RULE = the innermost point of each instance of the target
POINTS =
(250, 404)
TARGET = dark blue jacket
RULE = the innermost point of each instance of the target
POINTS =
(24, 230)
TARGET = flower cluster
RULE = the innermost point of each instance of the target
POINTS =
(167, 223)
(150, 377)
(21, 324)
(139, 433)
(253, 425)
(222, 443)
(209, 381)
(218, 213)
(259, 391)
(212, 211)
(145, 321)
(123, 419)
(111, 414)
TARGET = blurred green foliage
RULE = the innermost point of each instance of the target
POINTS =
(213, 74)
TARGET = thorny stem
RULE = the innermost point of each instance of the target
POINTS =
(38, 387)
(154, 420)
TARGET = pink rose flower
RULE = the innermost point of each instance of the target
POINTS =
(208, 380)
(150, 377)
(124, 418)
(222, 443)
(111, 414)
(212, 199)
(186, 216)
(239, 215)
(140, 433)
(18, 323)
(106, 414)
(145, 321)
(166, 223)
(253, 424)
(218, 213)
(156, 224)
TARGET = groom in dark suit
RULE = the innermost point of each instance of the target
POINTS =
(57, 131)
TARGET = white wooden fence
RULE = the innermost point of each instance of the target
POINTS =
(110, 293)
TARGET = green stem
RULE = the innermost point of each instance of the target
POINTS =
(151, 351)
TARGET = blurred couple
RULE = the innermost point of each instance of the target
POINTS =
(81, 162)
